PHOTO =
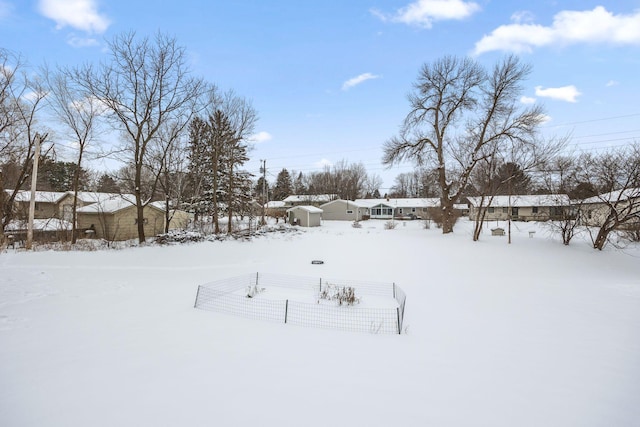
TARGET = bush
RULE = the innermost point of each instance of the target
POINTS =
(390, 225)
(356, 224)
(345, 295)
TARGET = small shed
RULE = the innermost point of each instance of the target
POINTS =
(304, 216)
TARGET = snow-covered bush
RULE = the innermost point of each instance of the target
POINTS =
(356, 224)
(253, 290)
(179, 236)
(390, 225)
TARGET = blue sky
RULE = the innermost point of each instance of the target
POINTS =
(329, 79)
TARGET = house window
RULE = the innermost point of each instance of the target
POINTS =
(413, 210)
(534, 209)
(491, 209)
(349, 211)
(145, 221)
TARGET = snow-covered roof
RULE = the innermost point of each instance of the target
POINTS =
(310, 198)
(523, 200)
(96, 197)
(107, 206)
(275, 204)
(310, 209)
(400, 202)
(48, 224)
(618, 195)
(41, 196)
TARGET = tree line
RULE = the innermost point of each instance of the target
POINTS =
(183, 140)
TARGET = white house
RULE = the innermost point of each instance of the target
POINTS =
(541, 207)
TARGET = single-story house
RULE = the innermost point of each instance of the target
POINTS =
(117, 219)
(344, 210)
(595, 210)
(542, 207)
(305, 216)
(308, 199)
(397, 208)
(85, 198)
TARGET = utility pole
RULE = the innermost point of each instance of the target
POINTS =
(34, 180)
(263, 169)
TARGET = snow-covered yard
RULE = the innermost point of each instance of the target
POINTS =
(528, 334)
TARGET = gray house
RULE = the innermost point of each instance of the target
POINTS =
(344, 210)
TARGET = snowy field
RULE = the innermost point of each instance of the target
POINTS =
(528, 334)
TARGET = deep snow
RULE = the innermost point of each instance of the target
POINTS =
(528, 334)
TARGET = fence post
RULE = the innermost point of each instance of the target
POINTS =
(257, 279)
(321, 284)
(195, 304)
(399, 323)
(286, 310)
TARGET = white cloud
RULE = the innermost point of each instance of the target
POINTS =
(260, 137)
(564, 93)
(79, 14)
(612, 83)
(76, 41)
(357, 80)
(527, 100)
(424, 12)
(522, 16)
(568, 27)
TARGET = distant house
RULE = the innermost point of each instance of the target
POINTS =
(344, 210)
(398, 208)
(522, 207)
(116, 219)
(308, 199)
(626, 204)
(304, 216)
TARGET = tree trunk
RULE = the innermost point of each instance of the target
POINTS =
(601, 238)
(74, 209)
(448, 217)
(479, 222)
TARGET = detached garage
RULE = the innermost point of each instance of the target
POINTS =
(304, 216)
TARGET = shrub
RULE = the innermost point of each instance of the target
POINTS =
(345, 295)
(356, 224)
(390, 225)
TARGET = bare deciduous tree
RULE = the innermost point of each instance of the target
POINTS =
(459, 113)
(79, 113)
(617, 175)
(21, 101)
(145, 85)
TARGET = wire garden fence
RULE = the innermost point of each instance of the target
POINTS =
(298, 301)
